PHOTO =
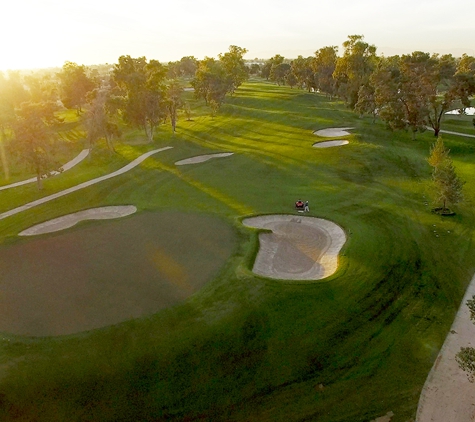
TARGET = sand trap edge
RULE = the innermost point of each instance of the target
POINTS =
(329, 260)
(70, 220)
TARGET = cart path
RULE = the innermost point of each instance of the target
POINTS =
(448, 395)
(83, 185)
(82, 155)
(449, 132)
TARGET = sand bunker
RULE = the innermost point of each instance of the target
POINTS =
(328, 144)
(66, 221)
(299, 248)
(333, 132)
(202, 158)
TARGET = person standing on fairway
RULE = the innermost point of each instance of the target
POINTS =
(307, 209)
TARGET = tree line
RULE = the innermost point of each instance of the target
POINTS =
(136, 92)
(408, 92)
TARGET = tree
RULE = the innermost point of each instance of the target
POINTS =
(403, 86)
(99, 119)
(255, 69)
(466, 357)
(354, 68)
(174, 92)
(447, 184)
(324, 65)
(366, 103)
(233, 63)
(279, 73)
(35, 138)
(42, 88)
(75, 85)
(12, 94)
(212, 82)
(302, 72)
(142, 92)
(269, 64)
(188, 66)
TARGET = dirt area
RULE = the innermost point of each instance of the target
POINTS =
(66, 221)
(333, 132)
(448, 395)
(202, 158)
(299, 248)
(328, 144)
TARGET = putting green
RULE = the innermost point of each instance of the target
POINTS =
(100, 274)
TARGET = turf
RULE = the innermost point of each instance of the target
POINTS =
(349, 348)
(104, 273)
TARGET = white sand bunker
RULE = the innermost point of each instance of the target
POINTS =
(202, 158)
(299, 248)
(66, 221)
(328, 144)
(334, 132)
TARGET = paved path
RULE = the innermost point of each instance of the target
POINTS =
(82, 155)
(83, 185)
(448, 396)
(449, 132)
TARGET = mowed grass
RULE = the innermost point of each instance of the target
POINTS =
(349, 348)
(102, 274)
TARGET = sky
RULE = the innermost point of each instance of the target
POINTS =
(47, 33)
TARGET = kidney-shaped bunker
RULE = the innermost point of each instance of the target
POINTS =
(299, 248)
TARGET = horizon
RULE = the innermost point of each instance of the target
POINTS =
(47, 34)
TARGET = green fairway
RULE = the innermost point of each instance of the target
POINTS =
(348, 348)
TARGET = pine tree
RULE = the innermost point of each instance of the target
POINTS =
(447, 184)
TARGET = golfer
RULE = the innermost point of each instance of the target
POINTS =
(307, 209)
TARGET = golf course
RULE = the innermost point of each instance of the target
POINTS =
(161, 314)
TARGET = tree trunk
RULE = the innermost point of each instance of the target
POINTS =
(39, 181)
(436, 132)
(3, 156)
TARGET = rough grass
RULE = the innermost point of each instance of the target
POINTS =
(349, 348)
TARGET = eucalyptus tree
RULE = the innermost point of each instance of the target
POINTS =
(100, 118)
(279, 73)
(401, 91)
(74, 85)
(323, 65)
(354, 68)
(301, 69)
(174, 101)
(416, 90)
(270, 64)
(12, 94)
(188, 66)
(212, 82)
(35, 138)
(234, 65)
(141, 92)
